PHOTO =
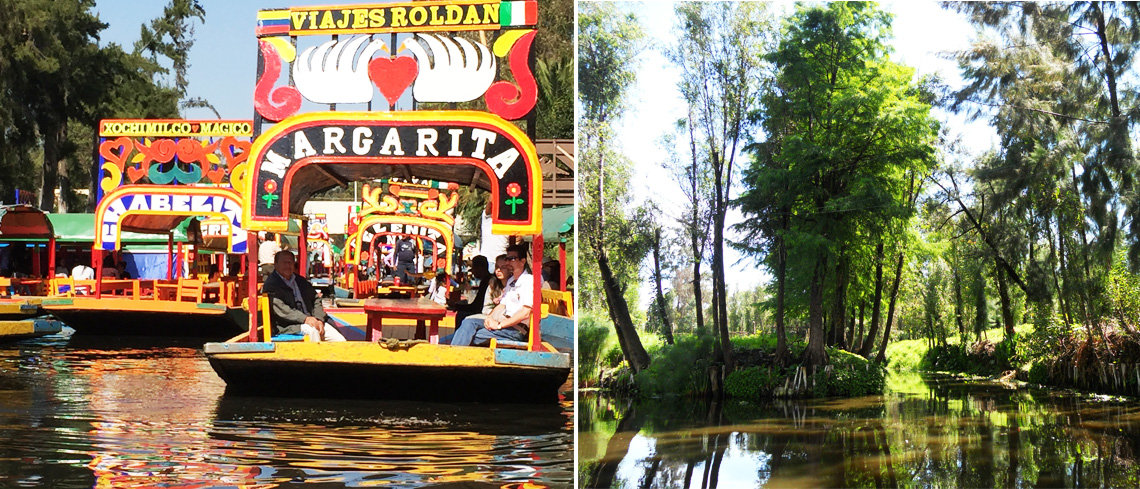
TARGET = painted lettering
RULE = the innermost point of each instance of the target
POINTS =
(333, 135)
(392, 144)
(275, 164)
(481, 138)
(426, 142)
(455, 135)
(361, 140)
(503, 161)
(159, 202)
(302, 147)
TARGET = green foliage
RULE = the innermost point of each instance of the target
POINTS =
(766, 341)
(680, 369)
(906, 355)
(754, 383)
(594, 342)
(851, 375)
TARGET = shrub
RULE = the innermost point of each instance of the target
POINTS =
(678, 369)
(851, 375)
(753, 383)
(594, 345)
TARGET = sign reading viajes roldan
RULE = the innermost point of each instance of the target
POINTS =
(379, 58)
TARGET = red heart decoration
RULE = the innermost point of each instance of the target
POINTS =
(124, 147)
(393, 75)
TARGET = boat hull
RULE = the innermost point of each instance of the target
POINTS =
(28, 328)
(366, 370)
(126, 317)
(20, 308)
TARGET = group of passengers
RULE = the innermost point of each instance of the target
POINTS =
(499, 308)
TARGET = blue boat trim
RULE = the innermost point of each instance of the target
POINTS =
(532, 358)
(288, 337)
(211, 348)
(26, 307)
(47, 326)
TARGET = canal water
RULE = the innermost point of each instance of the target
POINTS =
(926, 431)
(118, 413)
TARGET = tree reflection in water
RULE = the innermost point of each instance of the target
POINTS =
(936, 432)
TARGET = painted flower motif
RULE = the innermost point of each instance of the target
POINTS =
(513, 189)
(270, 186)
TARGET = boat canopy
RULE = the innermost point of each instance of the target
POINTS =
(24, 221)
(557, 221)
(388, 224)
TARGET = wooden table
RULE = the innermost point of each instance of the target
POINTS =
(132, 286)
(422, 309)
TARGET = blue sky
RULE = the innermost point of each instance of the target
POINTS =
(223, 61)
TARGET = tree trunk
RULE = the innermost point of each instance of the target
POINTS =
(666, 327)
(959, 308)
(697, 299)
(855, 343)
(839, 304)
(876, 304)
(1006, 308)
(781, 277)
(632, 348)
(721, 301)
(49, 171)
(815, 354)
(882, 356)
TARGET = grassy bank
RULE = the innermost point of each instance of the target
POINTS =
(688, 368)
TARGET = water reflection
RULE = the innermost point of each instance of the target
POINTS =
(132, 415)
(933, 432)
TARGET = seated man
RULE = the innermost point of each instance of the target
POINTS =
(294, 303)
(507, 320)
(463, 309)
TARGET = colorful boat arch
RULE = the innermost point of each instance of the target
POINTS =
(386, 225)
(158, 208)
(307, 153)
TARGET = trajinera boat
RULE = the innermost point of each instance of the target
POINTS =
(156, 176)
(296, 155)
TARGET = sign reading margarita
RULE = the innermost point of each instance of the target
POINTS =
(498, 148)
(127, 201)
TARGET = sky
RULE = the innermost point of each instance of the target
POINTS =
(223, 67)
(223, 61)
(923, 34)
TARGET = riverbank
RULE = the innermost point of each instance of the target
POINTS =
(1058, 357)
(689, 368)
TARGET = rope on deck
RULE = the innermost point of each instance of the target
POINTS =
(398, 344)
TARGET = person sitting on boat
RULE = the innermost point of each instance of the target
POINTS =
(507, 320)
(82, 272)
(294, 303)
(480, 272)
(266, 253)
(438, 287)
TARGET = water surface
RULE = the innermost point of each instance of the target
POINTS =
(117, 413)
(932, 431)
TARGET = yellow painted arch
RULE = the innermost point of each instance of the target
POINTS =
(116, 194)
(446, 234)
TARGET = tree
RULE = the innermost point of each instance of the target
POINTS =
(847, 137)
(608, 43)
(720, 62)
